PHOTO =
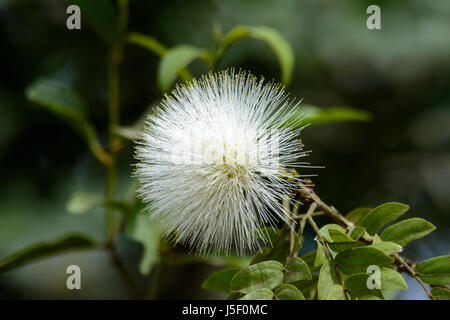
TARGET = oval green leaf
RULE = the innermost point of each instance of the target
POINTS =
(358, 259)
(288, 292)
(435, 271)
(220, 280)
(263, 275)
(382, 215)
(405, 231)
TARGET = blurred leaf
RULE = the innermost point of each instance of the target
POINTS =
(383, 214)
(357, 215)
(82, 202)
(267, 274)
(358, 259)
(280, 46)
(281, 247)
(46, 249)
(320, 256)
(268, 234)
(259, 294)
(435, 271)
(220, 280)
(147, 42)
(309, 259)
(405, 231)
(336, 293)
(288, 292)
(440, 293)
(68, 105)
(176, 59)
(141, 229)
(102, 16)
(357, 232)
(296, 269)
(327, 279)
(369, 298)
(319, 116)
(273, 38)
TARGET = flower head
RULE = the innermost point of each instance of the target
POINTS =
(212, 161)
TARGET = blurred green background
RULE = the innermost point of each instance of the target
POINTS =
(400, 74)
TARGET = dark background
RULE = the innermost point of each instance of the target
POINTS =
(401, 74)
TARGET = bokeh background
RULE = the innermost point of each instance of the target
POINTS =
(400, 74)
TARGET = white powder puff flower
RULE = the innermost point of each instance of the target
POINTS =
(212, 161)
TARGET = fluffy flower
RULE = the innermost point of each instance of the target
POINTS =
(212, 161)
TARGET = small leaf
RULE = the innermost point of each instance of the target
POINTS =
(102, 17)
(388, 247)
(319, 116)
(310, 258)
(147, 42)
(82, 202)
(267, 274)
(327, 279)
(357, 215)
(357, 232)
(358, 259)
(66, 104)
(357, 286)
(46, 249)
(320, 255)
(296, 270)
(173, 61)
(435, 271)
(405, 231)
(383, 214)
(440, 293)
(220, 280)
(141, 229)
(288, 292)
(259, 294)
(324, 231)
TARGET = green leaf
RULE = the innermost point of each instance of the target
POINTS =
(357, 286)
(357, 215)
(405, 231)
(440, 293)
(383, 214)
(66, 104)
(102, 16)
(220, 280)
(319, 116)
(324, 231)
(82, 202)
(321, 257)
(267, 274)
(281, 48)
(288, 292)
(281, 247)
(435, 271)
(357, 233)
(327, 280)
(336, 293)
(296, 270)
(358, 259)
(310, 258)
(147, 42)
(259, 294)
(392, 280)
(267, 234)
(173, 61)
(273, 38)
(141, 229)
(369, 298)
(388, 247)
(342, 241)
(46, 249)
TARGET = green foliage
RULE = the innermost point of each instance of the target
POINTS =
(328, 285)
(288, 292)
(220, 280)
(405, 231)
(42, 250)
(259, 294)
(66, 104)
(435, 271)
(296, 270)
(441, 293)
(357, 260)
(383, 214)
(263, 275)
